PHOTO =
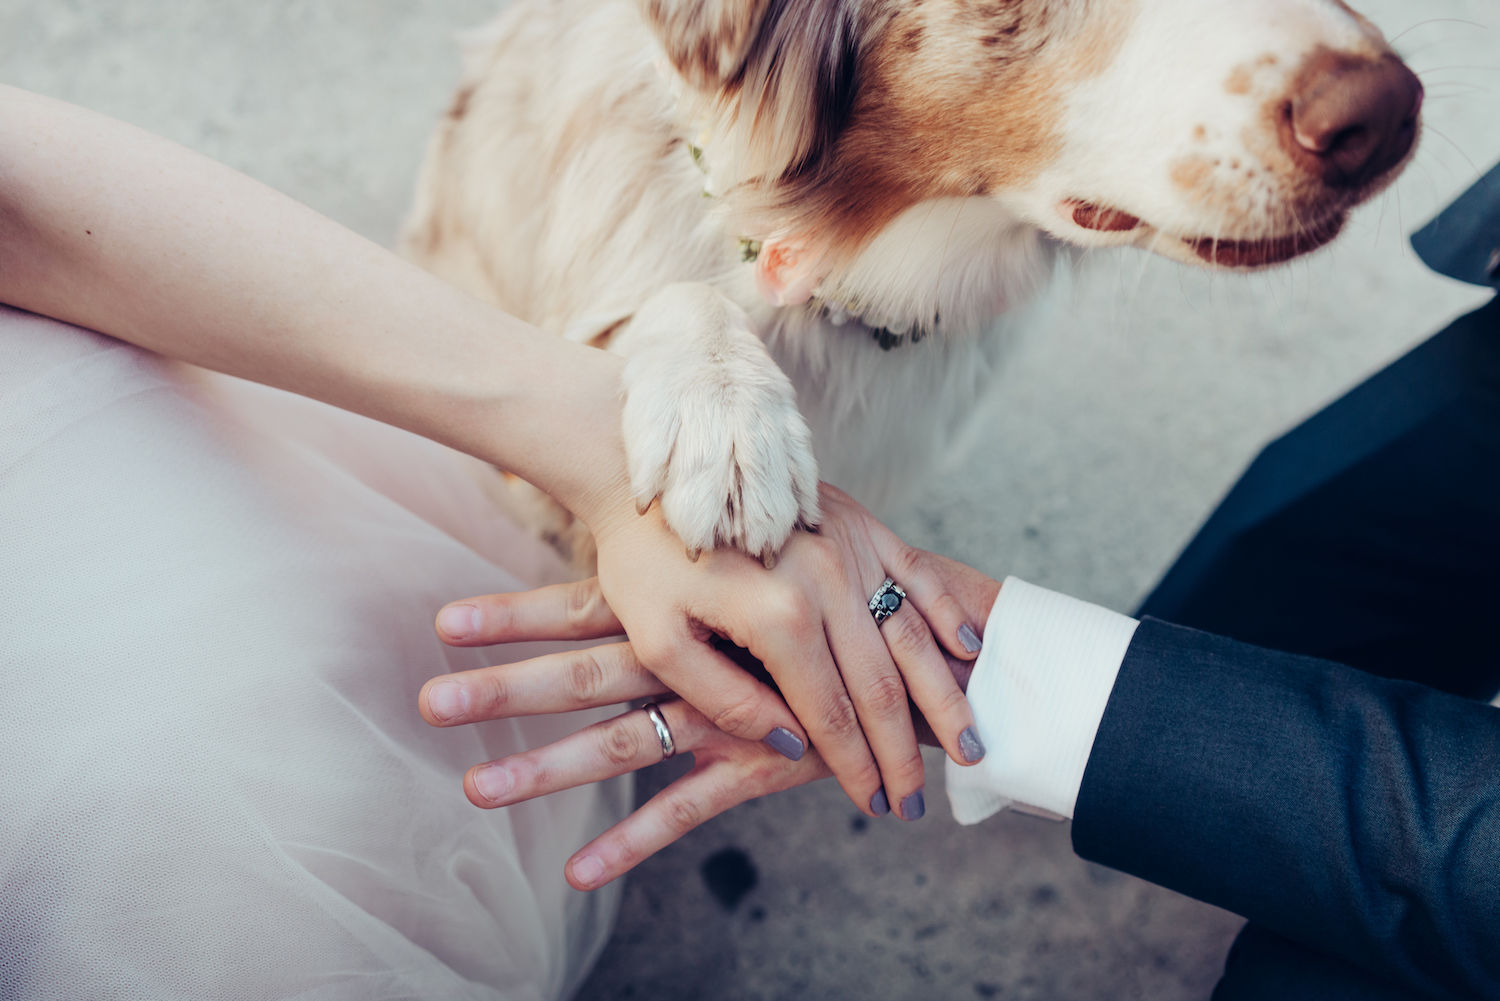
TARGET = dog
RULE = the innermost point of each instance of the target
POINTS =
(804, 222)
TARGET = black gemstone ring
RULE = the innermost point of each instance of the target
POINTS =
(886, 601)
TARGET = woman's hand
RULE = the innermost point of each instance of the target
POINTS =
(727, 770)
(807, 621)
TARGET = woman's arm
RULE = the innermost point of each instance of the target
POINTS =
(111, 228)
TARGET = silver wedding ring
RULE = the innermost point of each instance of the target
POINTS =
(663, 733)
(887, 601)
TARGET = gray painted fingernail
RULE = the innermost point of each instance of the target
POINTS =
(785, 742)
(879, 805)
(970, 746)
(969, 638)
(913, 806)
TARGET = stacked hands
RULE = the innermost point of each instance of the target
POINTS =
(770, 678)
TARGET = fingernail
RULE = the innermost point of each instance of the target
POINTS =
(587, 870)
(493, 783)
(879, 805)
(913, 806)
(970, 746)
(450, 700)
(785, 742)
(458, 622)
(969, 638)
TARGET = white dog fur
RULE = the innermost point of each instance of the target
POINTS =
(907, 169)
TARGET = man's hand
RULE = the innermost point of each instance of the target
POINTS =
(726, 770)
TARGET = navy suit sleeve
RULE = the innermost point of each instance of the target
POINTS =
(1354, 815)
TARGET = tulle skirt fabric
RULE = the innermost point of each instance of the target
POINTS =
(216, 608)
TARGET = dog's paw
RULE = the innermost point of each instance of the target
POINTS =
(712, 428)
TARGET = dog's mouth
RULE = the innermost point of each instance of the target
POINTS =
(1266, 251)
(1216, 251)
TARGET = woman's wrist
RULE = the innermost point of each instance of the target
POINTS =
(561, 432)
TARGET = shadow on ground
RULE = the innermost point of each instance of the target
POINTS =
(846, 907)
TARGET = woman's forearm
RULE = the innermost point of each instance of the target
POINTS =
(109, 227)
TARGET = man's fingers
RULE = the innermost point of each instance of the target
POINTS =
(614, 747)
(713, 786)
(556, 683)
(575, 611)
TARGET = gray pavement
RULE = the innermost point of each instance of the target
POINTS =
(1141, 392)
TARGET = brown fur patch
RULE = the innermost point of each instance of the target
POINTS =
(1106, 34)
(706, 40)
(460, 106)
(1241, 79)
(974, 108)
(1190, 172)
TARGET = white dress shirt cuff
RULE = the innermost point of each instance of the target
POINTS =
(1038, 692)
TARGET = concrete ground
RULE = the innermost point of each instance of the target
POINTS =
(1140, 395)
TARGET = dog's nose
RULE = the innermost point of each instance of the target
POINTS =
(1351, 119)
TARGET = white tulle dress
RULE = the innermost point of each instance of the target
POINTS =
(216, 608)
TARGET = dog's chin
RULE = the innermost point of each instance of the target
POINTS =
(1265, 252)
(1212, 251)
